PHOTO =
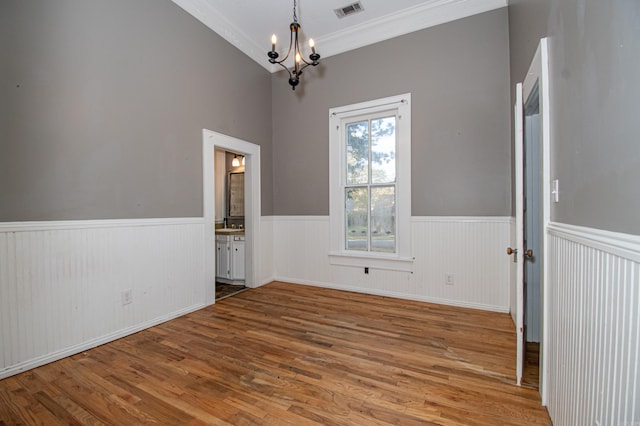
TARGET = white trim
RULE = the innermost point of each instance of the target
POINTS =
(428, 14)
(337, 116)
(622, 245)
(205, 12)
(403, 22)
(430, 219)
(28, 226)
(210, 141)
(90, 344)
(545, 113)
(298, 218)
(358, 260)
(463, 219)
(371, 107)
(396, 295)
(539, 73)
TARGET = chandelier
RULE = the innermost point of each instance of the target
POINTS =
(299, 62)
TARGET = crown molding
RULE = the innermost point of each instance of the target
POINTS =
(208, 15)
(370, 32)
(402, 22)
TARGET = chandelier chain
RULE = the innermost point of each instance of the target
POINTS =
(295, 15)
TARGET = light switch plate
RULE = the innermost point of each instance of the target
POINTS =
(554, 190)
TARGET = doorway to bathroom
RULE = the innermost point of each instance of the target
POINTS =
(229, 175)
(224, 227)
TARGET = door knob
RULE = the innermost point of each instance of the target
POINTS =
(528, 253)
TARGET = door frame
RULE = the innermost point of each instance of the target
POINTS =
(210, 141)
(538, 73)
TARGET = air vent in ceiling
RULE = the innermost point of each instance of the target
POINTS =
(349, 9)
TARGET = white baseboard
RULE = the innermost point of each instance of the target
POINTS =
(63, 283)
(471, 249)
(90, 344)
(395, 295)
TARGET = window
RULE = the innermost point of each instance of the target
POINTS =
(370, 187)
(370, 152)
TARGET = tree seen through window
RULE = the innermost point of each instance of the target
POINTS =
(370, 194)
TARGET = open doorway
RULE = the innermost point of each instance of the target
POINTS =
(229, 176)
(251, 208)
(532, 166)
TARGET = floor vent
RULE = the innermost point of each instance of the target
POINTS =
(349, 9)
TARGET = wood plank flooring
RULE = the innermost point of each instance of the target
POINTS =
(287, 354)
(226, 290)
(531, 371)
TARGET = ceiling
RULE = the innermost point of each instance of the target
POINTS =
(249, 24)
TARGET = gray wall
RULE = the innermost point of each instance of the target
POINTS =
(527, 25)
(458, 74)
(103, 105)
(594, 69)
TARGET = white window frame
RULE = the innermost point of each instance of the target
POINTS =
(401, 260)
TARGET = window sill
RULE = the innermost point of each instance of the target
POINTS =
(401, 264)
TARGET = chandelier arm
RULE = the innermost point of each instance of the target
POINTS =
(284, 67)
(297, 49)
(296, 52)
(306, 64)
(281, 61)
(305, 61)
(287, 70)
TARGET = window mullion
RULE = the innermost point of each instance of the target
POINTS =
(369, 189)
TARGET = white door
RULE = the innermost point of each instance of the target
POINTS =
(518, 250)
(535, 88)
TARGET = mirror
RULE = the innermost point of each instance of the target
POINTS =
(235, 201)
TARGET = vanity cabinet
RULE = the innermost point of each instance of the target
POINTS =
(237, 257)
(230, 259)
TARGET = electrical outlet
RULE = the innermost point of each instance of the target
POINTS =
(448, 279)
(127, 297)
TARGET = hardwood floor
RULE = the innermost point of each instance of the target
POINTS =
(285, 354)
(531, 371)
(227, 290)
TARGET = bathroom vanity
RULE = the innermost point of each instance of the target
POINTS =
(230, 255)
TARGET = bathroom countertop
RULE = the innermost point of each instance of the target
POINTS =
(229, 231)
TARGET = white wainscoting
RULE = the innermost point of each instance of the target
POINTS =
(472, 249)
(594, 327)
(266, 247)
(61, 283)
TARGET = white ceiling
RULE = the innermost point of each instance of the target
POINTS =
(249, 24)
